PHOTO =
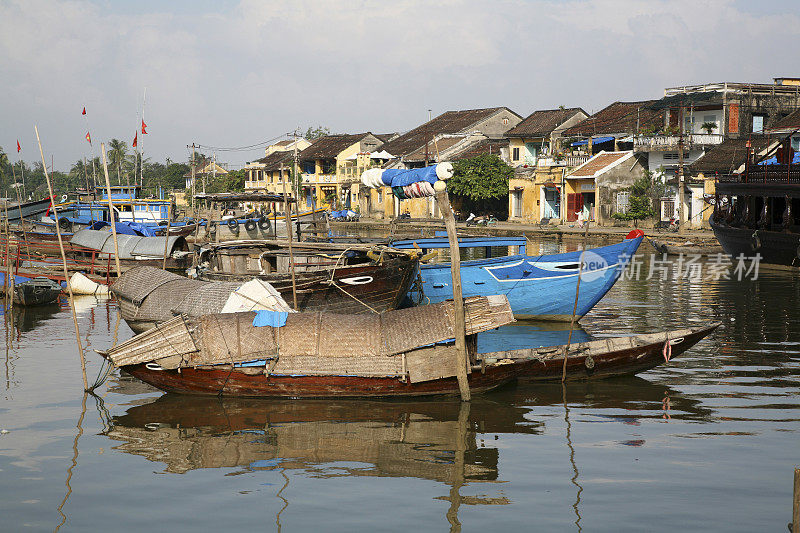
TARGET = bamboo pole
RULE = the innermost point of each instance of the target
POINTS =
(796, 502)
(575, 307)
(64, 264)
(288, 217)
(111, 210)
(166, 239)
(455, 271)
(8, 285)
(21, 218)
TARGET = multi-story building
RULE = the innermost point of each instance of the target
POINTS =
(268, 173)
(333, 164)
(535, 150)
(444, 138)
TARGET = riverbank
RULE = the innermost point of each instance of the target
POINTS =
(507, 229)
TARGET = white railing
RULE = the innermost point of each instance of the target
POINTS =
(575, 160)
(669, 141)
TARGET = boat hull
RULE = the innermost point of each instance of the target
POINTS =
(538, 287)
(381, 287)
(613, 362)
(779, 248)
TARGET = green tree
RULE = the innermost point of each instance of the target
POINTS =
(480, 185)
(644, 192)
(118, 151)
(313, 134)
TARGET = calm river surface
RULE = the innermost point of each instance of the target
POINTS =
(706, 443)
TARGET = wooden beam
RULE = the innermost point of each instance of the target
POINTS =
(455, 270)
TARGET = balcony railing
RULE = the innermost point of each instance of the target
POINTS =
(777, 174)
(669, 142)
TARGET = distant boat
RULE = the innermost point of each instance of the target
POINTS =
(28, 210)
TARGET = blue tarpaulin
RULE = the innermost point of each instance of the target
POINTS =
(275, 319)
(595, 140)
(126, 228)
(774, 160)
(403, 177)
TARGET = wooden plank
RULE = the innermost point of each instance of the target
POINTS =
(435, 362)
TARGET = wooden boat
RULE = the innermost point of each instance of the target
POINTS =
(686, 247)
(149, 296)
(225, 355)
(27, 209)
(540, 287)
(374, 278)
(37, 291)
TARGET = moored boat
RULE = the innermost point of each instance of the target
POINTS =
(540, 287)
(37, 291)
(408, 352)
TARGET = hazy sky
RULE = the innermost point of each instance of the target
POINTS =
(227, 73)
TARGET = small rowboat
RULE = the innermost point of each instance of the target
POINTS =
(38, 291)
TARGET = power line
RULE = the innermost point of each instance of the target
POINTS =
(242, 148)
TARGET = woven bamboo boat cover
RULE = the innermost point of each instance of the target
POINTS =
(136, 283)
(310, 343)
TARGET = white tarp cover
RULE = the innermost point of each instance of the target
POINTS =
(256, 295)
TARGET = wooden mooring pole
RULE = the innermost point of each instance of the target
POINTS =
(796, 502)
(166, 238)
(575, 307)
(111, 210)
(455, 270)
(64, 263)
(288, 217)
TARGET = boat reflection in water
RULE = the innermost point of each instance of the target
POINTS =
(437, 440)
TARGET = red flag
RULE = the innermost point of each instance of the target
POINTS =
(88, 137)
(84, 111)
(18, 147)
(135, 140)
(144, 131)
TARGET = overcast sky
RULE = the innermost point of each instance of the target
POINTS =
(234, 73)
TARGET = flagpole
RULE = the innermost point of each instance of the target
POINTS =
(141, 161)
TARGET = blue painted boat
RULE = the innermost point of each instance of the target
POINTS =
(539, 287)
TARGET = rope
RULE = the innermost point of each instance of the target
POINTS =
(334, 284)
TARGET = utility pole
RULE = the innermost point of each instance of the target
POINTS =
(681, 192)
(193, 176)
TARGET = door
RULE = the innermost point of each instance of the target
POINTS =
(574, 206)
(516, 204)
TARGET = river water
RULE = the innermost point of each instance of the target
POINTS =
(706, 443)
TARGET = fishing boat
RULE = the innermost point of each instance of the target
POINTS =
(36, 291)
(22, 210)
(149, 296)
(540, 287)
(403, 353)
(153, 214)
(757, 208)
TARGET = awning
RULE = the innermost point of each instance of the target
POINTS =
(595, 140)
(383, 154)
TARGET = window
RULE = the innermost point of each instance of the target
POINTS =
(515, 154)
(758, 123)
(623, 201)
(505, 122)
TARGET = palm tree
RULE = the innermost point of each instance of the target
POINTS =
(117, 153)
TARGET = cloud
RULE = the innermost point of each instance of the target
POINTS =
(239, 74)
